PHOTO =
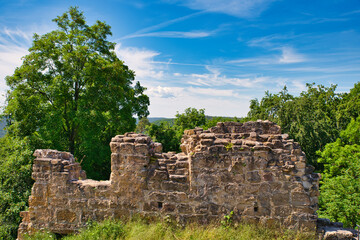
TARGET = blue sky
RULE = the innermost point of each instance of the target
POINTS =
(212, 54)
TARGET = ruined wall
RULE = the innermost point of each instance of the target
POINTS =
(249, 168)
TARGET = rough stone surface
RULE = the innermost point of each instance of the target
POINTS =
(248, 168)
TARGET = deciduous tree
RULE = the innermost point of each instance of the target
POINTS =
(73, 93)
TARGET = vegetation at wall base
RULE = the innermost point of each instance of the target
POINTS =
(155, 230)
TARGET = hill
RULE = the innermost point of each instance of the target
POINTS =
(2, 126)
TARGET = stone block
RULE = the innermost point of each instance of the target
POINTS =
(280, 198)
(300, 199)
(65, 215)
(127, 148)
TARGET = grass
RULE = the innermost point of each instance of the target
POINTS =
(140, 229)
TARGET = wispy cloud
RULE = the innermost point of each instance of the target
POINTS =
(172, 34)
(241, 9)
(312, 21)
(13, 46)
(351, 13)
(272, 40)
(151, 29)
(214, 77)
(289, 55)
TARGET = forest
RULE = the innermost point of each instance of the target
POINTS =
(72, 93)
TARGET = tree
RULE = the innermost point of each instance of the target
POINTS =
(310, 119)
(167, 135)
(340, 185)
(191, 118)
(73, 93)
(170, 135)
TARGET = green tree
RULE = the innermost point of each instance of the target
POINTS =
(191, 118)
(170, 135)
(311, 118)
(167, 135)
(73, 93)
(340, 185)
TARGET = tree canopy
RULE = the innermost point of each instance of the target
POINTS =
(73, 93)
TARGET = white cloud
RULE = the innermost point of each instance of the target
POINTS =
(164, 92)
(289, 55)
(237, 8)
(141, 61)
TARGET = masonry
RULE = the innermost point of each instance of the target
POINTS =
(248, 168)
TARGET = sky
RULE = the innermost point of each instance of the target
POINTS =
(211, 54)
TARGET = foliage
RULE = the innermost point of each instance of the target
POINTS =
(340, 189)
(228, 220)
(15, 183)
(169, 135)
(169, 131)
(310, 119)
(140, 229)
(73, 93)
(166, 134)
(190, 118)
(229, 146)
(350, 107)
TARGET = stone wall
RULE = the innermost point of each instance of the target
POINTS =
(248, 168)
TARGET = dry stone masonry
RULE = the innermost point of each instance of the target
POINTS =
(248, 168)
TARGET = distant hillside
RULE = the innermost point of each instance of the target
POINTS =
(159, 119)
(2, 126)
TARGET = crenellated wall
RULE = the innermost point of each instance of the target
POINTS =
(249, 168)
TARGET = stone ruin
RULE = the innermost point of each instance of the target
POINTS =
(248, 168)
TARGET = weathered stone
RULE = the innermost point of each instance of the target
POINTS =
(248, 168)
